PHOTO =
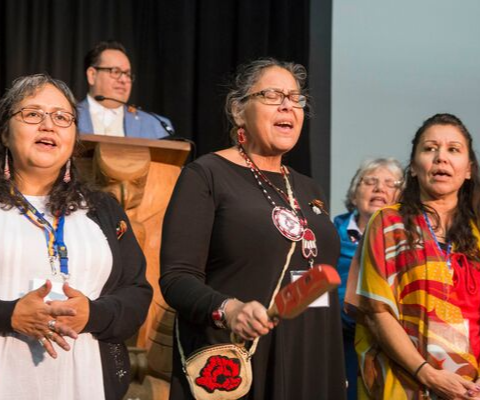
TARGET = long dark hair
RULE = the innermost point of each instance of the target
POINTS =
(64, 198)
(468, 208)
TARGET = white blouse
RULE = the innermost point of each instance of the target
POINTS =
(26, 370)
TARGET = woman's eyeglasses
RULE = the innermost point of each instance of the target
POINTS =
(276, 97)
(374, 181)
(33, 116)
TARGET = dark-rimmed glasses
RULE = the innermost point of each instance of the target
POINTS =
(116, 73)
(274, 97)
(33, 116)
(374, 181)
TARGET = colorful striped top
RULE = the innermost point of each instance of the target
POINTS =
(437, 304)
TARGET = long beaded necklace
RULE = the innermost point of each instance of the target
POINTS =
(291, 223)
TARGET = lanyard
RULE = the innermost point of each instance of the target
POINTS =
(56, 247)
(449, 244)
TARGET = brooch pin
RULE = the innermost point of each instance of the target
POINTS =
(121, 229)
(133, 109)
(318, 207)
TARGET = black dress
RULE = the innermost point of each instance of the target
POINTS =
(219, 242)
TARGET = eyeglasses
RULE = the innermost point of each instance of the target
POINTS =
(116, 73)
(33, 116)
(374, 181)
(276, 97)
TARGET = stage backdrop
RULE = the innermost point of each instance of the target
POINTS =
(182, 51)
(396, 63)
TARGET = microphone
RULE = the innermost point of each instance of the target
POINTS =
(133, 108)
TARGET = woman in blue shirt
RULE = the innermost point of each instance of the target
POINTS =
(376, 184)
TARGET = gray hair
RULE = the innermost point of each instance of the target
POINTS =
(23, 87)
(368, 165)
(247, 76)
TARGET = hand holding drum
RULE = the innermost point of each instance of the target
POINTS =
(295, 297)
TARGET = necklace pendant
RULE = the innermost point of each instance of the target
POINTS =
(288, 223)
(309, 244)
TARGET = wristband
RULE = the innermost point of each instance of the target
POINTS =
(415, 374)
(219, 317)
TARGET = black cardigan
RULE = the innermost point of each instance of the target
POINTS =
(123, 303)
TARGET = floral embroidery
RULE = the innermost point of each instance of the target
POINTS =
(220, 373)
(116, 353)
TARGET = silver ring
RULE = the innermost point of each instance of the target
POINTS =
(50, 334)
(42, 341)
(51, 324)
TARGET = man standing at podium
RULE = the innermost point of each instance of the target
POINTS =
(105, 110)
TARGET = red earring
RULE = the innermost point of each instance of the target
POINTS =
(6, 167)
(241, 138)
(67, 177)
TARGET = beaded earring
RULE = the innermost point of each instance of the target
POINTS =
(241, 138)
(6, 167)
(67, 177)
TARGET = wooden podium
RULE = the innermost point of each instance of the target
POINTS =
(141, 173)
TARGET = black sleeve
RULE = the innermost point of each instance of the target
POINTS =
(187, 230)
(6, 311)
(123, 305)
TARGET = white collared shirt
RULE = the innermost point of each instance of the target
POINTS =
(353, 230)
(106, 121)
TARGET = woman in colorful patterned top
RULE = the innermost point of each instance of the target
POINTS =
(419, 283)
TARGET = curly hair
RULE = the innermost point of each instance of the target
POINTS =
(468, 208)
(64, 198)
(247, 75)
(367, 166)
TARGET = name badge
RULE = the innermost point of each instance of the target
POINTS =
(322, 301)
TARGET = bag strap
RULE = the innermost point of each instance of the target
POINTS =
(291, 200)
(253, 348)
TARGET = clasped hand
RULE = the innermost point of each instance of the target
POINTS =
(447, 385)
(50, 321)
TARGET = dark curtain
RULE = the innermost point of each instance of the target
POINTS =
(182, 51)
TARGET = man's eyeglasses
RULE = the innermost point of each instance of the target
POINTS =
(116, 73)
(276, 97)
(374, 181)
(33, 116)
